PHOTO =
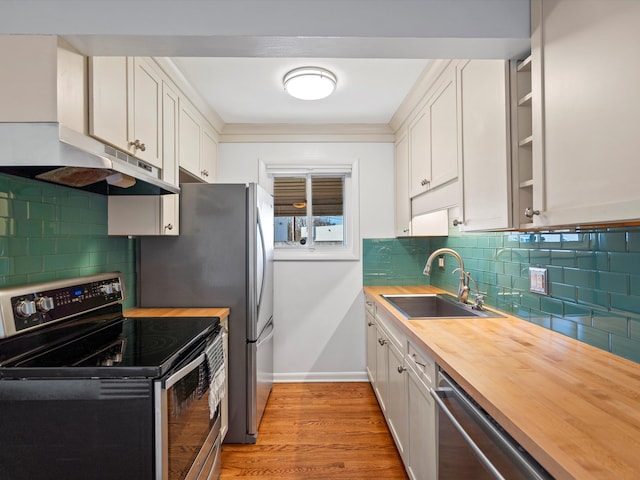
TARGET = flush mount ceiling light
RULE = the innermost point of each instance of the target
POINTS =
(309, 83)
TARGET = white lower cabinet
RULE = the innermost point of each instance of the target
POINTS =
(403, 377)
(372, 340)
(397, 417)
(420, 458)
(381, 385)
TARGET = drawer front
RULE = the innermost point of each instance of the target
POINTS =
(421, 363)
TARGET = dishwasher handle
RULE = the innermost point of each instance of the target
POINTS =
(488, 426)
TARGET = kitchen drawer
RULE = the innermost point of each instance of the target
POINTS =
(422, 364)
(393, 332)
(370, 305)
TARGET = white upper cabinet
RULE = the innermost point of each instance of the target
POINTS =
(126, 104)
(197, 144)
(402, 201)
(433, 145)
(585, 70)
(486, 182)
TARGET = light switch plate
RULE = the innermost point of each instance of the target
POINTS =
(538, 280)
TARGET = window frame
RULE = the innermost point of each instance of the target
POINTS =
(351, 213)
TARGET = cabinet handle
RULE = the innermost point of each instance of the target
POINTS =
(204, 173)
(137, 145)
(529, 213)
(415, 360)
(382, 341)
(169, 226)
(401, 369)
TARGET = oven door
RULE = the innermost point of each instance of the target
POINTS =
(187, 435)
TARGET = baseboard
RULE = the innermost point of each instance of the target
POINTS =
(320, 377)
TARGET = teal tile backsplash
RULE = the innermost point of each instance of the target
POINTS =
(593, 277)
(48, 232)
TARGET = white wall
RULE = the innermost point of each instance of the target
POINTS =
(318, 307)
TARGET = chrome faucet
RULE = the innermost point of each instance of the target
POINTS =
(463, 287)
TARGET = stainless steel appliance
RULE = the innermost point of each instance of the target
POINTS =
(223, 257)
(88, 393)
(61, 155)
(472, 445)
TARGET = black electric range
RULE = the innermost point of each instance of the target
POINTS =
(88, 393)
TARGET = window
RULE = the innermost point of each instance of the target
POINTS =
(315, 215)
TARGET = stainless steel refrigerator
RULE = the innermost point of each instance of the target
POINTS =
(223, 257)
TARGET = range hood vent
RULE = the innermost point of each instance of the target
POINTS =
(54, 153)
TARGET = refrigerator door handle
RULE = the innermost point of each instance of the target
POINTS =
(261, 262)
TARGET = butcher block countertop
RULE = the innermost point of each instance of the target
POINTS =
(177, 312)
(574, 407)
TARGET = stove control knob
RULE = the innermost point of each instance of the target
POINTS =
(116, 286)
(107, 289)
(25, 308)
(44, 304)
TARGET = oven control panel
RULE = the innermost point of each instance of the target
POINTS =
(36, 305)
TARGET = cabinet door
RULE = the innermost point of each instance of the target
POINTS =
(443, 131)
(146, 107)
(108, 95)
(170, 115)
(396, 402)
(402, 201)
(372, 341)
(382, 354)
(485, 145)
(589, 111)
(419, 158)
(421, 409)
(209, 155)
(189, 138)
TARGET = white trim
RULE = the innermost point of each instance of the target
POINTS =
(310, 377)
(267, 133)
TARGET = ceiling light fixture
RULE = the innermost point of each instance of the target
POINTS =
(309, 83)
(299, 204)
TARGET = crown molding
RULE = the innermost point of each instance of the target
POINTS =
(178, 78)
(254, 133)
(416, 96)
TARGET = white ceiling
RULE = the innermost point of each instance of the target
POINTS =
(235, 52)
(250, 90)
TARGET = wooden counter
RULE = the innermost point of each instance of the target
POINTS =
(177, 312)
(574, 407)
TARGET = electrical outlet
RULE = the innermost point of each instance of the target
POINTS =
(441, 263)
(538, 280)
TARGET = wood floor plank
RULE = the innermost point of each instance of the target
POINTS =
(318, 431)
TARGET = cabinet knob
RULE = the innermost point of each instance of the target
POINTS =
(456, 222)
(382, 341)
(137, 145)
(401, 369)
(424, 182)
(529, 213)
(204, 173)
(169, 226)
(369, 324)
(405, 230)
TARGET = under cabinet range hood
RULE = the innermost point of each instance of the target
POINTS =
(54, 153)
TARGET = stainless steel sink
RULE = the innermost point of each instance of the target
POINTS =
(424, 306)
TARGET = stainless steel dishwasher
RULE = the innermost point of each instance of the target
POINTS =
(472, 445)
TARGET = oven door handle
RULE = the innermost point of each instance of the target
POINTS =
(481, 418)
(184, 371)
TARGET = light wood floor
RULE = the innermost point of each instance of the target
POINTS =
(329, 431)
